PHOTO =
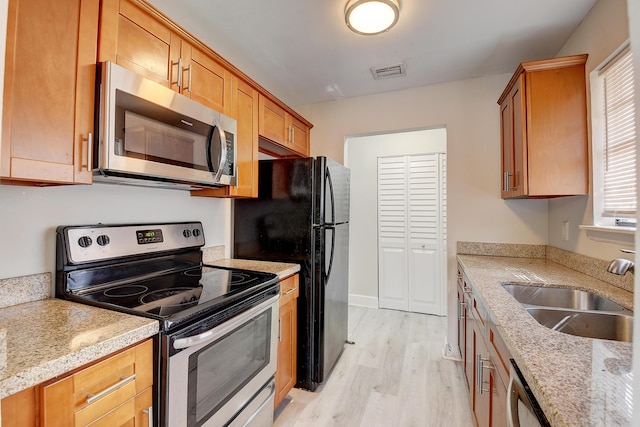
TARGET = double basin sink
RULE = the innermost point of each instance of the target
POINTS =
(575, 312)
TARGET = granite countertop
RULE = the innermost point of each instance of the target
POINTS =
(577, 381)
(49, 337)
(281, 269)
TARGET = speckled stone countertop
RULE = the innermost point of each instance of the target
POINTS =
(49, 337)
(577, 381)
(282, 269)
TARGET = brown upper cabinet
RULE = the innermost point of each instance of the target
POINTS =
(244, 108)
(49, 85)
(136, 37)
(543, 114)
(285, 134)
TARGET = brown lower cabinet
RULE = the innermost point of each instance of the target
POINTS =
(287, 337)
(484, 356)
(116, 391)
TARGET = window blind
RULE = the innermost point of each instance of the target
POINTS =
(619, 137)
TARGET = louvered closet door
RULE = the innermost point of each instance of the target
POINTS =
(392, 233)
(412, 232)
(424, 234)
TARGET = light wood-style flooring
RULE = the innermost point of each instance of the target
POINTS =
(394, 375)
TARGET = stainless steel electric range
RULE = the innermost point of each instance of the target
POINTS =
(216, 351)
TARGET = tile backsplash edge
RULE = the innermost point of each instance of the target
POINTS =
(213, 253)
(594, 267)
(584, 264)
(18, 290)
(514, 250)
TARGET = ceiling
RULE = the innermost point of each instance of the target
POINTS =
(302, 51)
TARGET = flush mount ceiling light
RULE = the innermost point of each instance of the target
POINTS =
(371, 17)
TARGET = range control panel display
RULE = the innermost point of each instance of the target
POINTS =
(90, 243)
(149, 236)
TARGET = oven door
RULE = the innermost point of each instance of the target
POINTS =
(216, 374)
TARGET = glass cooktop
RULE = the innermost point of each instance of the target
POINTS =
(167, 294)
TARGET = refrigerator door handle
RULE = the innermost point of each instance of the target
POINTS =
(333, 245)
(329, 185)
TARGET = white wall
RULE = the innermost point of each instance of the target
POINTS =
(592, 38)
(469, 111)
(361, 156)
(29, 216)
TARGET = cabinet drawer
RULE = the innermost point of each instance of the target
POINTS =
(94, 391)
(289, 289)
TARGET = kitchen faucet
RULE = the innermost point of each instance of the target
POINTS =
(620, 265)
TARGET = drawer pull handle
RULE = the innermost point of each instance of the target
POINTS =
(149, 412)
(123, 380)
(289, 291)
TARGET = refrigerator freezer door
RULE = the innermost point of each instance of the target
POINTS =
(334, 291)
(277, 226)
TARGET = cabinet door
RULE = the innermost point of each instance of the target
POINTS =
(287, 340)
(272, 121)
(469, 349)
(286, 373)
(299, 139)
(520, 183)
(132, 38)
(144, 408)
(204, 80)
(244, 108)
(481, 379)
(19, 410)
(514, 148)
(498, 401)
(49, 91)
(506, 146)
(460, 311)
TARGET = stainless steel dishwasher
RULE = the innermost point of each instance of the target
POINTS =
(522, 408)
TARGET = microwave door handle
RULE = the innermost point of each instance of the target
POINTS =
(222, 163)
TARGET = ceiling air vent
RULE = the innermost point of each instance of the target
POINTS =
(395, 70)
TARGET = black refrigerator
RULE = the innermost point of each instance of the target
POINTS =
(301, 216)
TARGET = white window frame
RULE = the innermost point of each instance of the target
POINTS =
(597, 147)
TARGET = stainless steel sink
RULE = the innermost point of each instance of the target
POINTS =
(590, 324)
(575, 312)
(562, 297)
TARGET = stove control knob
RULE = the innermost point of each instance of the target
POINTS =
(196, 232)
(85, 241)
(186, 233)
(103, 240)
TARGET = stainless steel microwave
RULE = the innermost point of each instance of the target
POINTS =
(150, 135)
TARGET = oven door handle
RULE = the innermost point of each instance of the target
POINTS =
(223, 329)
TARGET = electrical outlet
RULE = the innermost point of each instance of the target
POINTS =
(565, 231)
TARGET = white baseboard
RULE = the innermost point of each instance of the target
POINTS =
(363, 300)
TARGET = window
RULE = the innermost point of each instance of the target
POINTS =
(614, 141)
